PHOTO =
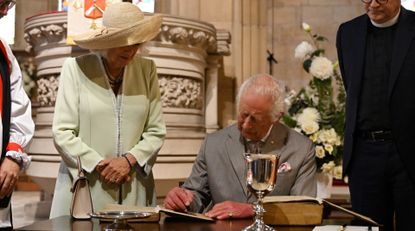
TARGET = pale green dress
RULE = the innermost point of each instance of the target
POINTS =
(90, 121)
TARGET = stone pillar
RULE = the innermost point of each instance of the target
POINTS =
(212, 73)
(46, 35)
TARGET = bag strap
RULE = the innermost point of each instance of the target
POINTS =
(81, 173)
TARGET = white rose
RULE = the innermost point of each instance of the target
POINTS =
(328, 136)
(332, 136)
(314, 137)
(328, 167)
(303, 49)
(306, 27)
(329, 148)
(320, 153)
(338, 172)
(321, 68)
(309, 127)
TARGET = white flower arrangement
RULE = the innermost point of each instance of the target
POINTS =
(303, 49)
(314, 111)
(321, 67)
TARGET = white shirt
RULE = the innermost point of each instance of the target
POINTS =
(21, 123)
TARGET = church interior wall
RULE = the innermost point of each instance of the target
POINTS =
(255, 27)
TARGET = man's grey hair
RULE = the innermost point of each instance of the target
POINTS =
(264, 84)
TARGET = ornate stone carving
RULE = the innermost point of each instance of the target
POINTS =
(177, 34)
(224, 40)
(180, 92)
(47, 90)
(199, 36)
(41, 35)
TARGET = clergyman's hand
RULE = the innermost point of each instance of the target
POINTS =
(230, 209)
(9, 172)
(178, 199)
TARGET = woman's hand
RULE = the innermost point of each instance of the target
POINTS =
(114, 171)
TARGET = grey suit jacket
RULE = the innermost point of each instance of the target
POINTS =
(218, 173)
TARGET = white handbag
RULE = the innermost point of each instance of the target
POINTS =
(81, 206)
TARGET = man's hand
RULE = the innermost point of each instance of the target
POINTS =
(230, 209)
(9, 172)
(178, 199)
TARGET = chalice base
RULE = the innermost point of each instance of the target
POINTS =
(258, 226)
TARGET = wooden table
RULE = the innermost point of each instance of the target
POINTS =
(65, 223)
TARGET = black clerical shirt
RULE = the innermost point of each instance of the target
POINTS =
(373, 113)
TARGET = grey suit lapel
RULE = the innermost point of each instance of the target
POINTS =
(275, 144)
(235, 151)
(404, 35)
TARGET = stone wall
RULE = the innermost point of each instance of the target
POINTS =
(258, 25)
(324, 16)
(255, 26)
(29, 8)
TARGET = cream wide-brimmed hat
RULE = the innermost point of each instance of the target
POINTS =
(123, 25)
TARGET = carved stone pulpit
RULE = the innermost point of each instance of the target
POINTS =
(187, 54)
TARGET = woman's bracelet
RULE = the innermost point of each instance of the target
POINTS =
(128, 161)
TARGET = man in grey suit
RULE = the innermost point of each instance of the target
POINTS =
(217, 184)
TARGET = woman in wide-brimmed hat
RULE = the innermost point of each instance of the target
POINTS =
(108, 112)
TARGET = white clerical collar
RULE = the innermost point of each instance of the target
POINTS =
(388, 23)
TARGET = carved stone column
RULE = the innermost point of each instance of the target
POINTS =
(46, 36)
(186, 53)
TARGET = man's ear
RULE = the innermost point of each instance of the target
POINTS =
(278, 117)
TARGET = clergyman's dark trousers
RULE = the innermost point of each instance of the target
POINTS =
(380, 185)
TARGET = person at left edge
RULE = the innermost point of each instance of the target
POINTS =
(16, 127)
(109, 113)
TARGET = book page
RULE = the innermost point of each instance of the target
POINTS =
(280, 199)
(360, 216)
(170, 212)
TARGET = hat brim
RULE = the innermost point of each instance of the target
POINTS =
(106, 38)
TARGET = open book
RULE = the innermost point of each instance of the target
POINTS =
(301, 201)
(292, 210)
